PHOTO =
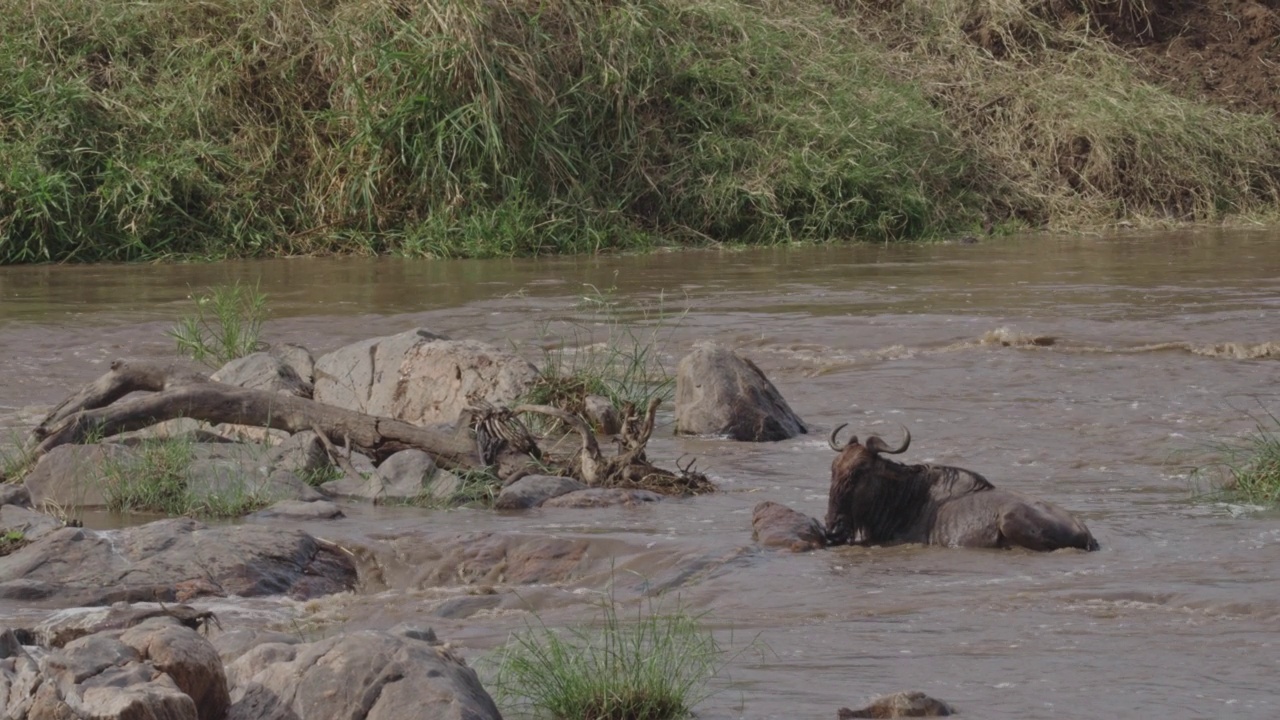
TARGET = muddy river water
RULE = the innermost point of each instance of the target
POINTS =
(1162, 345)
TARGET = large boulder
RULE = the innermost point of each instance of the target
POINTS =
(159, 670)
(399, 675)
(777, 526)
(720, 393)
(176, 558)
(409, 476)
(419, 377)
(532, 490)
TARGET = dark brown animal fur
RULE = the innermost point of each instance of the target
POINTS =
(874, 500)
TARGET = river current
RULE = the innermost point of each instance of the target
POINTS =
(1094, 372)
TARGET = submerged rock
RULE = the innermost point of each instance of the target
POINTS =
(774, 525)
(533, 490)
(420, 377)
(720, 393)
(163, 559)
(602, 497)
(899, 705)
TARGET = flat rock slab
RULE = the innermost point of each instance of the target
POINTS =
(299, 510)
(172, 558)
(720, 393)
(777, 526)
(602, 497)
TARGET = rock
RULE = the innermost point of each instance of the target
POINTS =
(14, 494)
(29, 523)
(69, 624)
(187, 658)
(301, 510)
(103, 678)
(602, 497)
(720, 393)
(234, 643)
(602, 415)
(368, 674)
(410, 478)
(264, 371)
(77, 566)
(298, 358)
(70, 476)
(411, 474)
(432, 560)
(777, 526)
(532, 490)
(303, 454)
(234, 470)
(899, 705)
(419, 377)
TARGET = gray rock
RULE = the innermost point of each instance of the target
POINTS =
(720, 393)
(171, 558)
(373, 675)
(15, 494)
(70, 476)
(33, 525)
(532, 490)
(420, 377)
(264, 371)
(234, 643)
(302, 454)
(298, 358)
(301, 510)
(602, 415)
(66, 625)
(103, 677)
(602, 497)
(187, 658)
(774, 525)
(412, 473)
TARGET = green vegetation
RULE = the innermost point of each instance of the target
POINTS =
(15, 460)
(157, 479)
(471, 128)
(1248, 470)
(11, 541)
(614, 353)
(227, 324)
(654, 666)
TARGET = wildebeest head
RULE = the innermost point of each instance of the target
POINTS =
(871, 498)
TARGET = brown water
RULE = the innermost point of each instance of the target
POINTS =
(1162, 346)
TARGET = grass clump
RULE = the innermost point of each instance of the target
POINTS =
(12, 541)
(1248, 470)
(653, 666)
(227, 324)
(157, 478)
(614, 352)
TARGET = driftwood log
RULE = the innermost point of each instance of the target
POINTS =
(491, 438)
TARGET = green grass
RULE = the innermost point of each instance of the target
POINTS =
(11, 541)
(654, 665)
(467, 128)
(452, 128)
(613, 350)
(157, 480)
(1247, 470)
(226, 324)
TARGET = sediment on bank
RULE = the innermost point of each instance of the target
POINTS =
(471, 128)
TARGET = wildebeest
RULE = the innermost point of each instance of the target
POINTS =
(874, 500)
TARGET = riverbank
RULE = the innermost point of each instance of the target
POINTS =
(473, 129)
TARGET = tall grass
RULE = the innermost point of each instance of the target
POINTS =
(457, 127)
(653, 666)
(157, 480)
(226, 324)
(1063, 127)
(1248, 470)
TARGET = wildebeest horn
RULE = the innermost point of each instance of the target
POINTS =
(831, 441)
(875, 444)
